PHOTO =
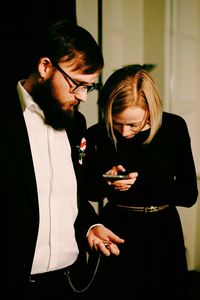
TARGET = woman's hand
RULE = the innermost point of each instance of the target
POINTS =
(121, 184)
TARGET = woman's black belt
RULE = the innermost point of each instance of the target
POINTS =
(145, 209)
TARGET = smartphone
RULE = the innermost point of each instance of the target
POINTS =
(115, 177)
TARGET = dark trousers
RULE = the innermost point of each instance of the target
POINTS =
(51, 286)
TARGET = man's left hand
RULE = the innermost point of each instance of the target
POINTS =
(103, 239)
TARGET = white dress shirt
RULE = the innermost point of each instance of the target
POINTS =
(56, 245)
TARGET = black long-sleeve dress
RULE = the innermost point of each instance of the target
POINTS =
(152, 263)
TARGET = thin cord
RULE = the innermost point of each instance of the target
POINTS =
(90, 282)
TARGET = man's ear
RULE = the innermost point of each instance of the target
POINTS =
(44, 66)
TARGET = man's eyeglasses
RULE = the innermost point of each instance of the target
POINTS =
(79, 87)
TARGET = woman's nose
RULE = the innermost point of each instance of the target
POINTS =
(124, 129)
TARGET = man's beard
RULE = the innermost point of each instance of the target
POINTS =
(54, 115)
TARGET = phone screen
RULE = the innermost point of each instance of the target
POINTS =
(115, 177)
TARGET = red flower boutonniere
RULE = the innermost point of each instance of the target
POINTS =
(81, 150)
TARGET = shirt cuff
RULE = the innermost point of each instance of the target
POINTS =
(98, 224)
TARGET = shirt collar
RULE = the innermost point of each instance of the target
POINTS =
(26, 100)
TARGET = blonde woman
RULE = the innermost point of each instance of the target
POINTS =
(152, 147)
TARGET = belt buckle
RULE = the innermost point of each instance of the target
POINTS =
(151, 209)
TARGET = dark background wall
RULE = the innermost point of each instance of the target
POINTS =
(18, 23)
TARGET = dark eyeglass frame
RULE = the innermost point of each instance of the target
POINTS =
(79, 87)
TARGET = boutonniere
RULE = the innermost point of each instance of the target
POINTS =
(81, 150)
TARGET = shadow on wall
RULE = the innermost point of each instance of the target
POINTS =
(17, 28)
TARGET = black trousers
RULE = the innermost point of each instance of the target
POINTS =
(51, 286)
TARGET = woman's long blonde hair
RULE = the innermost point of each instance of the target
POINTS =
(131, 86)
